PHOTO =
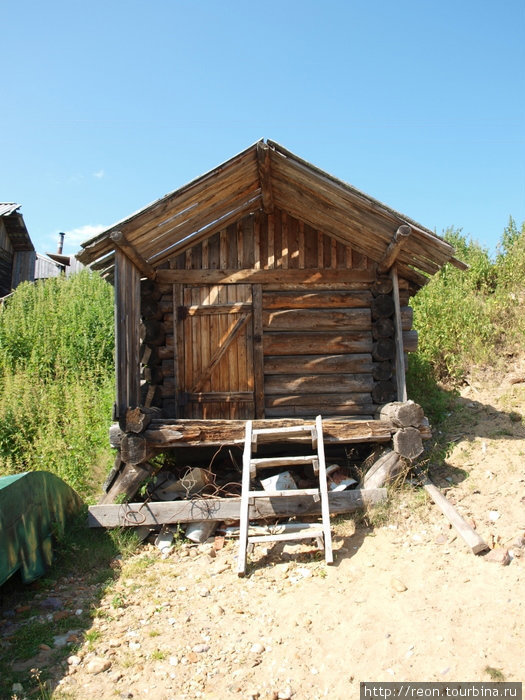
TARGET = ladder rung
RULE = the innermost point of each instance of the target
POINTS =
(305, 535)
(266, 462)
(284, 492)
(291, 430)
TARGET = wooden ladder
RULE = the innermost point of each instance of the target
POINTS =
(251, 465)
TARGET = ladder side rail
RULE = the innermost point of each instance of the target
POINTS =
(245, 501)
(323, 488)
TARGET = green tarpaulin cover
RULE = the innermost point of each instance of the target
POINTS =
(34, 506)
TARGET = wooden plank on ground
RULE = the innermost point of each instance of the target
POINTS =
(195, 510)
(476, 543)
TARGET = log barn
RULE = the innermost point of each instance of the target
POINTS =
(265, 289)
(17, 253)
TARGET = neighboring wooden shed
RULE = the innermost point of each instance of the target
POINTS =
(264, 289)
(17, 253)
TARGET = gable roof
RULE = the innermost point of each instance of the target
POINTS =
(15, 226)
(261, 177)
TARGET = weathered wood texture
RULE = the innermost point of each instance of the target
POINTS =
(127, 482)
(167, 433)
(196, 510)
(466, 532)
(402, 413)
(384, 470)
(127, 317)
(408, 443)
(267, 317)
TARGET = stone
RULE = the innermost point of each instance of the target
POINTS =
(96, 666)
(498, 556)
(285, 694)
(398, 585)
(73, 660)
(201, 648)
(61, 615)
(257, 648)
(203, 592)
(52, 603)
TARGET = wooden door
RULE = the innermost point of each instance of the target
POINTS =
(216, 363)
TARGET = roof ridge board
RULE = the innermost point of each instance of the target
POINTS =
(210, 173)
(350, 188)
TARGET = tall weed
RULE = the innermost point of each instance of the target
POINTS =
(472, 317)
(56, 373)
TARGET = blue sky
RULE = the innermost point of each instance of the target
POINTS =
(109, 105)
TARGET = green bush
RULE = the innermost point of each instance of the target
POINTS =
(469, 317)
(56, 373)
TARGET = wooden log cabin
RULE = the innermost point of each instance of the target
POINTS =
(265, 289)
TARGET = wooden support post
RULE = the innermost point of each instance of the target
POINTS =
(400, 353)
(127, 482)
(132, 253)
(386, 468)
(127, 339)
(398, 241)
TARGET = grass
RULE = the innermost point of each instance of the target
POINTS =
(496, 674)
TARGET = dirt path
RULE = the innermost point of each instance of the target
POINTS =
(406, 600)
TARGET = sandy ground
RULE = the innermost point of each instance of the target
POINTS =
(406, 599)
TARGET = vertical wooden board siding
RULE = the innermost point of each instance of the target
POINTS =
(196, 262)
(213, 252)
(341, 256)
(257, 241)
(271, 241)
(348, 257)
(358, 261)
(205, 260)
(248, 256)
(240, 240)
(247, 410)
(320, 250)
(263, 241)
(223, 249)
(232, 246)
(327, 251)
(293, 243)
(309, 247)
(222, 373)
(300, 243)
(333, 254)
(285, 251)
(277, 241)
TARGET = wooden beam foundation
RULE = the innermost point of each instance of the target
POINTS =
(196, 510)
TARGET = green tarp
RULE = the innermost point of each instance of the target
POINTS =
(34, 507)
